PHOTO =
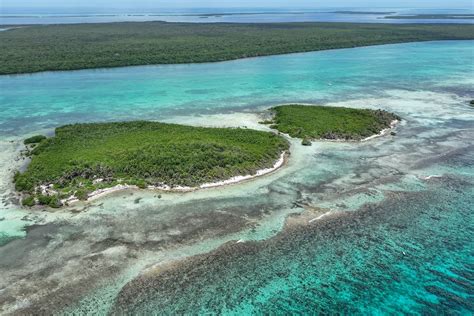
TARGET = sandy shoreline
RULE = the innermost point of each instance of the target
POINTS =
(383, 132)
(234, 180)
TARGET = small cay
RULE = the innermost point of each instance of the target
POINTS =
(330, 123)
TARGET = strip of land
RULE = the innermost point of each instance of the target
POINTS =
(432, 16)
(365, 12)
(81, 46)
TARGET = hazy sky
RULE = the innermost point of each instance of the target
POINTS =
(445, 4)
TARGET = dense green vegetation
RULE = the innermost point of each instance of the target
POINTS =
(78, 46)
(34, 139)
(323, 122)
(141, 153)
(306, 142)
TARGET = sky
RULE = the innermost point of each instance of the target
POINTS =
(147, 4)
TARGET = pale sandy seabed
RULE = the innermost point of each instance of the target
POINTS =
(79, 258)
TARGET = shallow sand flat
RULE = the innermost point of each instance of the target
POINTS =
(235, 119)
(11, 223)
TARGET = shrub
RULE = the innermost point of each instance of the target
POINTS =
(54, 202)
(28, 201)
(34, 139)
(16, 175)
(22, 183)
(82, 194)
(141, 184)
(44, 199)
(306, 142)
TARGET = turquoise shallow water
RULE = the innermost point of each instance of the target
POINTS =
(412, 253)
(45, 100)
(395, 241)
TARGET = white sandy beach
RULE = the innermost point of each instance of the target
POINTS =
(383, 132)
(234, 180)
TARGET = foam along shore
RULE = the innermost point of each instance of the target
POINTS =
(433, 176)
(101, 192)
(383, 132)
(320, 217)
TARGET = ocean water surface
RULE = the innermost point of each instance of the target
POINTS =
(17, 16)
(379, 227)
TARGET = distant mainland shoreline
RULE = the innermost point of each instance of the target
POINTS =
(58, 47)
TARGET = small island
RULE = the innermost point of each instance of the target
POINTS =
(432, 17)
(83, 159)
(310, 122)
(365, 12)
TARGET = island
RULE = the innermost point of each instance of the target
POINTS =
(82, 160)
(310, 122)
(365, 12)
(98, 45)
(432, 17)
